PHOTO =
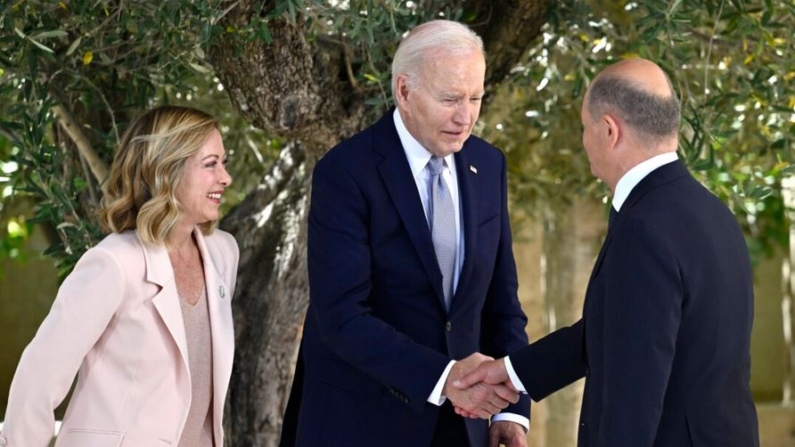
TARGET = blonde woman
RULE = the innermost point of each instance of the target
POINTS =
(144, 320)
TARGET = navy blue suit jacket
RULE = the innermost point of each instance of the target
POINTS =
(664, 340)
(377, 336)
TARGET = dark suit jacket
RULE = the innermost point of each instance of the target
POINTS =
(664, 339)
(377, 336)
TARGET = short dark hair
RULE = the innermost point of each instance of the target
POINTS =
(655, 117)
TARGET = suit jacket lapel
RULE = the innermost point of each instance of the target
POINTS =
(664, 174)
(160, 272)
(469, 200)
(396, 173)
(221, 325)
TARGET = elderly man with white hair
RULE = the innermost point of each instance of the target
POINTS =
(411, 269)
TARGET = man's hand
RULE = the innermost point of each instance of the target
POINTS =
(491, 372)
(488, 372)
(481, 399)
(507, 433)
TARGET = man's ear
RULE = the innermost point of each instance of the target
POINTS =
(613, 129)
(401, 88)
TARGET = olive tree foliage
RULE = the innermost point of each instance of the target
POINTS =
(91, 67)
(288, 79)
(729, 60)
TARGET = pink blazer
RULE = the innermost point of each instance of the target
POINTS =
(117, 324)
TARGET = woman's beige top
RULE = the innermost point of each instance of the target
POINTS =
(198, 431)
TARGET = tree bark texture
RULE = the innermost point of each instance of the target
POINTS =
(270, 300)
(299, 89)
(291, 87)
(508, 29)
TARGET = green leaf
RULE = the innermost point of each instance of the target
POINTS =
(760, 192)
(49, 34)
(200, 68)
(74, 46)
(674, 7)
(41, 46)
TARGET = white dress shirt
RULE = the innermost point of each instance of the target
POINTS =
(418, 157)
(624, 187)
(631, 179)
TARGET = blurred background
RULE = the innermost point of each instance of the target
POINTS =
(288, 79)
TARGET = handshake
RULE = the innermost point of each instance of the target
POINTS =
(479, 387)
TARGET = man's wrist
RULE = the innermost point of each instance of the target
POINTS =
(512, 417)
(437, 396)
(512, 375)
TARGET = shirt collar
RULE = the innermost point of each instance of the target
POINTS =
(631, 179)
(416, 153)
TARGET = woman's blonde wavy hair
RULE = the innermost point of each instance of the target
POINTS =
(149, 168)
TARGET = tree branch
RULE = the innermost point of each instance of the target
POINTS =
(10, 135)
(97, 166)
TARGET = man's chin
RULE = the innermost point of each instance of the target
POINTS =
(446, 150)
(452, 148)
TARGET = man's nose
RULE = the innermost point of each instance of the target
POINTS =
(463, 113)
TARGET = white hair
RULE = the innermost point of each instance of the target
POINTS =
(442, 37)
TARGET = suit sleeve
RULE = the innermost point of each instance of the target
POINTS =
(340, 284)
(551, 363)
(85, 304)
(643, 299)
(502, 320)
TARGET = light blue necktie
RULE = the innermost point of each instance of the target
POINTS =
(442, 220)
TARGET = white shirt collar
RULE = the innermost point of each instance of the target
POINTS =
(631, 179)
(416, 153)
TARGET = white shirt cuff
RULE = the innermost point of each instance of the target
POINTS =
(521, 420)
(436, 397)
(514, 378)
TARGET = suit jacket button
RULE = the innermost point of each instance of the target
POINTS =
(448, 326)
(587, 372)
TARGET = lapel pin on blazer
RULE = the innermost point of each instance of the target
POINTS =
(222, 291)
(473, 169)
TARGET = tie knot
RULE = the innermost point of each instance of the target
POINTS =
(435, 166)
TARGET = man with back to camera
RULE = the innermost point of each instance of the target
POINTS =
(664, 342)
(411, 268)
